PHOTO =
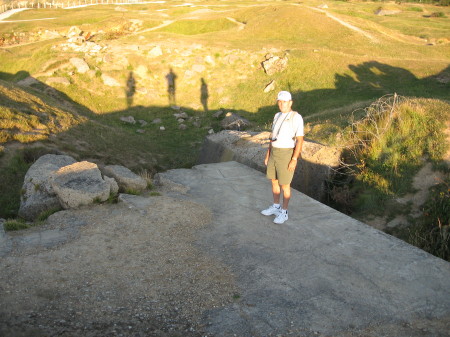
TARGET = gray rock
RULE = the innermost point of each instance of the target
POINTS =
(115, 60)
(270, 87)
(58, 80)
(157, 121)
(128, 119)
(28, 81)
(73, 31)
(233, 121)
(383, 12)
(218, 114)
(182, 114)
(37, 192)
(198, 68)
(114, 187)
(141, 71)
(126, 179)
(80, 64)
(80, 184)
(109, 81)
(50, 34)
(182, 127)
(155, 52)
(274, 64)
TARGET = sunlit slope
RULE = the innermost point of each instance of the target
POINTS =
(26, 117)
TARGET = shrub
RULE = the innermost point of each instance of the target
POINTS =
(386, 150)
(415, 9)
(432, 232)
(15, 225)
(45, 214)
(438, 15)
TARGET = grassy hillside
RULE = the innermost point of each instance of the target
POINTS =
(340, 59)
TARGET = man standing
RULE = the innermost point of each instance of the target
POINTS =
(285, 147)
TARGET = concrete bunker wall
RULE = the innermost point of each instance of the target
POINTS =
(249, 148)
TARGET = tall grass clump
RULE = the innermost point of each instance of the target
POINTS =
(432, 231)
(389, 142)
(12, 173)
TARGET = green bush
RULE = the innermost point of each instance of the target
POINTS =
(438, 15)
(432, 232)
(415, 9)
(45, 214)
(15, 225)
(388, 146)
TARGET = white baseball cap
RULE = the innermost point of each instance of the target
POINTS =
(284, 96)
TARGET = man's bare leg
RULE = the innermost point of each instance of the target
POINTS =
(276, 191)
(286, 195)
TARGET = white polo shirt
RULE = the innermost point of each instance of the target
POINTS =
(286, 127)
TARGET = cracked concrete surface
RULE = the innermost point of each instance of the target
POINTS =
(320, 273)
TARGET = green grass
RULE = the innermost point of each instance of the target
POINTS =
(390, 149)
(194, 27)
(15, 225)
(45, 214)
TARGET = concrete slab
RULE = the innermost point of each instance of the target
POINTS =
(320, 273)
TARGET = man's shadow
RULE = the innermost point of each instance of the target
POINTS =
(130, 89)
(171, 86)
(204, 95)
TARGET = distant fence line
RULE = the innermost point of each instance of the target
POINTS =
(62, 4)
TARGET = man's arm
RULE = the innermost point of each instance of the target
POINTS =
(266, 159)
(296, 154)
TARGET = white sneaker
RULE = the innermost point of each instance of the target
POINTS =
(272, 210)
(281, 217)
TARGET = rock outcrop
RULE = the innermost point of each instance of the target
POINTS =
(126, 179)
(249, 148)
(274, 64)
(37, 192)
(80, 64)
(233, 121)
(59, 181)
(80, 184)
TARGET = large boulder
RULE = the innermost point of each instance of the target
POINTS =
(274, 64)
(80, 64)
(37, 192)
(126, 179)
(80, 184)
(316, 166)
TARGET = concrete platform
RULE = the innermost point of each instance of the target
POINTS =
(321, 273)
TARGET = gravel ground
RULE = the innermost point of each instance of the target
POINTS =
(130, 272)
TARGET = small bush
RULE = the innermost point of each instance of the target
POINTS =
(432, 233)
(387, 149)
(415, 9)
(438, 15)
(132, 191)
(15, 225)
(45, 214)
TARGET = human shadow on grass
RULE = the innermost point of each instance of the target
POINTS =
(367, 81)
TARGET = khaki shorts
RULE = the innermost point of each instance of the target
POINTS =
(277, 167)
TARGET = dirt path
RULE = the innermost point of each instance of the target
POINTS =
(133, 270)
(346, 24)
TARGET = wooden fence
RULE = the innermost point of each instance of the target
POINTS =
(64, 4)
